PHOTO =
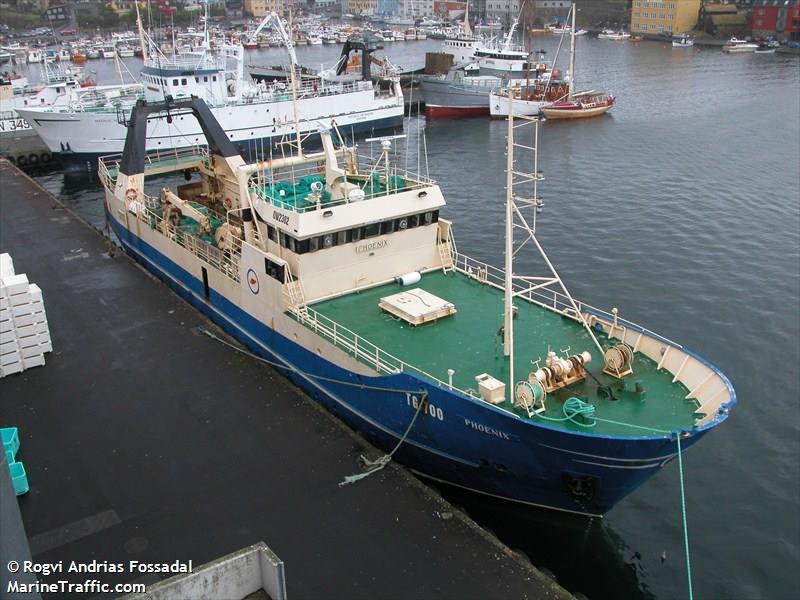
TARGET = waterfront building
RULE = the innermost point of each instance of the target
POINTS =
(504, 11)
(671, 16)
(723, 20)
(359, 7)
(546, 11)
(446, 10)
(260, 8)
(776, 18)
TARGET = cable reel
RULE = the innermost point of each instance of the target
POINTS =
(618, 360)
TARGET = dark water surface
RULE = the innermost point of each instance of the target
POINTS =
(682, 208)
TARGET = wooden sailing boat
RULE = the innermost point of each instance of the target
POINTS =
(578, 105)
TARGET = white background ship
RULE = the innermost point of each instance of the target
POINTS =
(255, 116)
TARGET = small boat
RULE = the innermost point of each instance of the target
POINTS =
(556, 30)
(578, 105)
(736, 45)
(78, 58)
(683, 41)
(528, 101)
(610, 34)
(35, 56)
(125, 51)
(765, 48)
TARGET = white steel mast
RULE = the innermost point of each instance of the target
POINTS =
(508, 321)
(572, 78)
(522, 209)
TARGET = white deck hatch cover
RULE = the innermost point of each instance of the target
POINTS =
(417, 306)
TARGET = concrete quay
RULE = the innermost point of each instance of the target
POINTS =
(145, 440)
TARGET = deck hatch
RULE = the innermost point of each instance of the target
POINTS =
(417, 306)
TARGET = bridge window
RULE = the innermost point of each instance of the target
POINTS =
(274, 270)
(372, 230)
(174, 82)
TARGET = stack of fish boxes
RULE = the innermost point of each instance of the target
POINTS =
(24, 335)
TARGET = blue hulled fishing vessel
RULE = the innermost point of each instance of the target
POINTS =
(341, 271)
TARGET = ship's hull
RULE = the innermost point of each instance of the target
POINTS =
(575, 113)
(498, 106)
(79, 138)
(456, 439)
(455, 99)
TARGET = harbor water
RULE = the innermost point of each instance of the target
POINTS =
(681, 208)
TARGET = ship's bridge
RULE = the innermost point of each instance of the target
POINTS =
(349, 227)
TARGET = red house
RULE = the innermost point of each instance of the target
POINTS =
(776, 18)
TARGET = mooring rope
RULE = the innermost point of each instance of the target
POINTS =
(373, 466)
(290, 368)
(685, 525)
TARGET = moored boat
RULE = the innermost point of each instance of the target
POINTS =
(610, 34)
(765, 48)
(735, 45)
(341, 271)
(578, 105)
(683, 41)
(257, 115)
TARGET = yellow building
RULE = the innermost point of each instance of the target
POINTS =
(260, 8)
(672, 16)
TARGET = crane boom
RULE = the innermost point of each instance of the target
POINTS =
(274, 19)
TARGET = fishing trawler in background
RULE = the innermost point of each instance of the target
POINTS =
(463, 92)
(578, 105)
(528, 99)
(340, 269)
(256, 115)
(18, 140)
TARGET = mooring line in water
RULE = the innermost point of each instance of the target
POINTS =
(685, 525)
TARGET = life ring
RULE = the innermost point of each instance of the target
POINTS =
(227, 203)
(131, 194)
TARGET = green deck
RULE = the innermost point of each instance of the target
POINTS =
(469, 343)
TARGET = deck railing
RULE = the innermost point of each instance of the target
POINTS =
(226, 262)
(361, 348)
(108, 166)
(262, 180)
(548, 298)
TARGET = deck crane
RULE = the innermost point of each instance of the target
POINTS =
(274, 19)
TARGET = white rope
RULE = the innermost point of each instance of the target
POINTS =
(373, 466)
(292, 369)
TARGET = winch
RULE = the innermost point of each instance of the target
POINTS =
(560, 372)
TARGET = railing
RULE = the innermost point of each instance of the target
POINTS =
(261, 181)
(226, 262)
(361, 348)
(548, 298)
(110, 164)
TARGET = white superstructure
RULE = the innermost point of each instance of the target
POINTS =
(254, 115)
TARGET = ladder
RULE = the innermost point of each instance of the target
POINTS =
(296, 296)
